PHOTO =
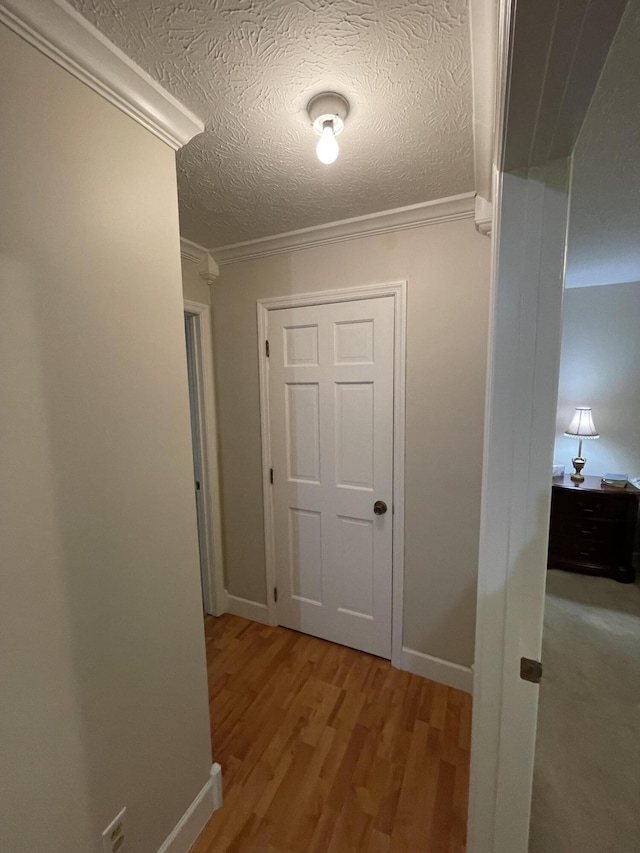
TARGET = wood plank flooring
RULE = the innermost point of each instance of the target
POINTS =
(329, 750)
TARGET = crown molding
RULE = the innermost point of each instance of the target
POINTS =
(398, 219)
(191, 251)
(209, 270)
(57, 30)
(483, 216)
(194, 253)
(483, 29)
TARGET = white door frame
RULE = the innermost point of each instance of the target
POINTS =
(397, 290)
(531, 203)
(213, 575)
(527, 292)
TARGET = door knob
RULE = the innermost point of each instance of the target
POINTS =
(379, 507)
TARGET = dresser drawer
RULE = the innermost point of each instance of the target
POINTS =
(592, 529)
(589, 504)
(583, 550)
(590, 526)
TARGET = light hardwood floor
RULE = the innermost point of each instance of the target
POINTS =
(324, 748)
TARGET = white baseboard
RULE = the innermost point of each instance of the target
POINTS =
(192, 822)
(247, 609)
(223, 605)
(435, 669)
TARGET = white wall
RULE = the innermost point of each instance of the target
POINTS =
(447, 269)
(600, 367)
(104, 696)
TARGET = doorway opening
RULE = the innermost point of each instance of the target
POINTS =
(541, 117)
(197, 328)
(588, 722)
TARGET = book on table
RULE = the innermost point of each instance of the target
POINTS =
(617, 480)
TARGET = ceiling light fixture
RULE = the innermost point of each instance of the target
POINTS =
(328, 112)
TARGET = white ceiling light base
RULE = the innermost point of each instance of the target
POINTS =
(329, 106)
(328, 112)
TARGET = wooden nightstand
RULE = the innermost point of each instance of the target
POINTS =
(593, 528)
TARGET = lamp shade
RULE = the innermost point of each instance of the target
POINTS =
(582, 424)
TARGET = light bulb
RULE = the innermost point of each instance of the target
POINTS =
(327, 148)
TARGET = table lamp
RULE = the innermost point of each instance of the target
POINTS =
(581, 427)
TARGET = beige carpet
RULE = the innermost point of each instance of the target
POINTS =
(586, 795)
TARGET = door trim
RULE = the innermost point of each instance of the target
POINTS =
(541, 103)
(398, 290)
(520, 415)
(213, 579)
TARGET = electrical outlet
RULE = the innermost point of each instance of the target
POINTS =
(114, 837)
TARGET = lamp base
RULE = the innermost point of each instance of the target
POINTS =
(578, 463)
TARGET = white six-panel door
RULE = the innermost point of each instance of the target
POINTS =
(331, 371)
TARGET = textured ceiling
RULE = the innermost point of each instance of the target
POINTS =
(604, 224)
(248, 69)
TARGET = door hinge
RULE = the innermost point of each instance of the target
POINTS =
(530, 670)
(266, 347)
(197, 485)
(275, 594)
(271, 475)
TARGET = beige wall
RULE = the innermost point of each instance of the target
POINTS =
(194, 288)
(447, 269)
(600, 367)
(104, 700)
